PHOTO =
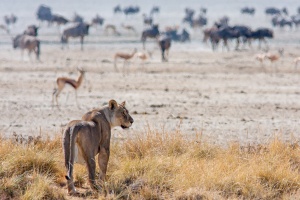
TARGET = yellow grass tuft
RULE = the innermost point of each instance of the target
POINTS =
(156, 165)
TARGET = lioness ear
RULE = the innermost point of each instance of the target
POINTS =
(123, 103)
(112, 104)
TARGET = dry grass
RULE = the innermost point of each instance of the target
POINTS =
(157, 165)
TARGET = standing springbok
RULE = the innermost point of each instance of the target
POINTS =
(28, 42)
(125, 56)
(62, 81)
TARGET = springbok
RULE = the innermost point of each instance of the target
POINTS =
(28, 42)
(260, 57)
(296, 61)
(62, 81)
(129, 28)
(113, 29)
(125, 56)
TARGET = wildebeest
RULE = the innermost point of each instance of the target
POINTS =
(155, 9)
(59, 20)
(152, 32)
(164, 43)
(130, 10)
(223, 33)
(117, 9)
(175, 36)
(28, 42)
(281, 21)
(261, 34)
(148, 20)
(12, 19)
(296, 20)
(275, 11)
(31, 30)
(77, 18)
(79, 30)
(98, 20)
(248, 10)
(44, 13)
(244, 33)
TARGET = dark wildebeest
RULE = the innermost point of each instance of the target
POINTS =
(155, 9)
(77, 18)
(223, 33)
(98, 20)
(130, 10)
(178, 37)
(272, 11)
(153, 32)
(296, 20)
(12, 19)
(164, 43)
(261, 34)
(248, 10)
(79, 30)
(207, 32)
(244, 32)
(28, 42)
(44, 13)
(117, 9)
(59, 20)
(148, 20)
(31, 30)
(200, 22)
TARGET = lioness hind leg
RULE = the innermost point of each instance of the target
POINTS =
(91, 165)
(103, 161)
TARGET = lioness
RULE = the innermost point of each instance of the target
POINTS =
(92, 135)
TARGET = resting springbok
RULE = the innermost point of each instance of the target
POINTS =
(62, 81)
(28, 42)
(125, 56)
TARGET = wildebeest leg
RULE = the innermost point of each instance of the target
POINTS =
(237, 43)
(259, 43)
(81, 41)
(226, 44)
(266, 43)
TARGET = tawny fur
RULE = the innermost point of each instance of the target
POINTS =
(86, 138)
(125, 56)
(272, 57)
(63, 81)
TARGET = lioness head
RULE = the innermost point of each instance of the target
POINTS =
(119, 115)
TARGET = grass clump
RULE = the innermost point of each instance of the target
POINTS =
(157, 165)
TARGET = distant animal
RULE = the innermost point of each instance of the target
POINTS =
(5, 28)
(31, 43)
(296, 20)
(77, 18)
(272, 57)
(152, 32)
(184, 36)
(142, 55)
(63, 81)
(44, 13)
(31, 30)
(260, 57)
(203, 11)
(84, 139)
(10, 19)
(261, 34)
(297, 61)
(128, 28)
(59, 20)
(130, 10)
(207, 32)
(224, 33)
(125, 56)
(111, 28)
(117, 9)
(164, 43)
(154, 9)
(275, 11)
(244, 33)
(248, 10)
(79, 30)
(148, 20)
(98, 20)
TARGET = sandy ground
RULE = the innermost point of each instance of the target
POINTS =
(226, 96)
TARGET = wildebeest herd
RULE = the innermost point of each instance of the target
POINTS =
(220, 31)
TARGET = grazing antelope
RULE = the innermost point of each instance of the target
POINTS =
(113, 29)
(125, 56)
(297, 61)
(272, 57)
(260, 57)
(129, 28)
(62, 81)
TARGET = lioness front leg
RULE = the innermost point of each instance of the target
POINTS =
(103, 161)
